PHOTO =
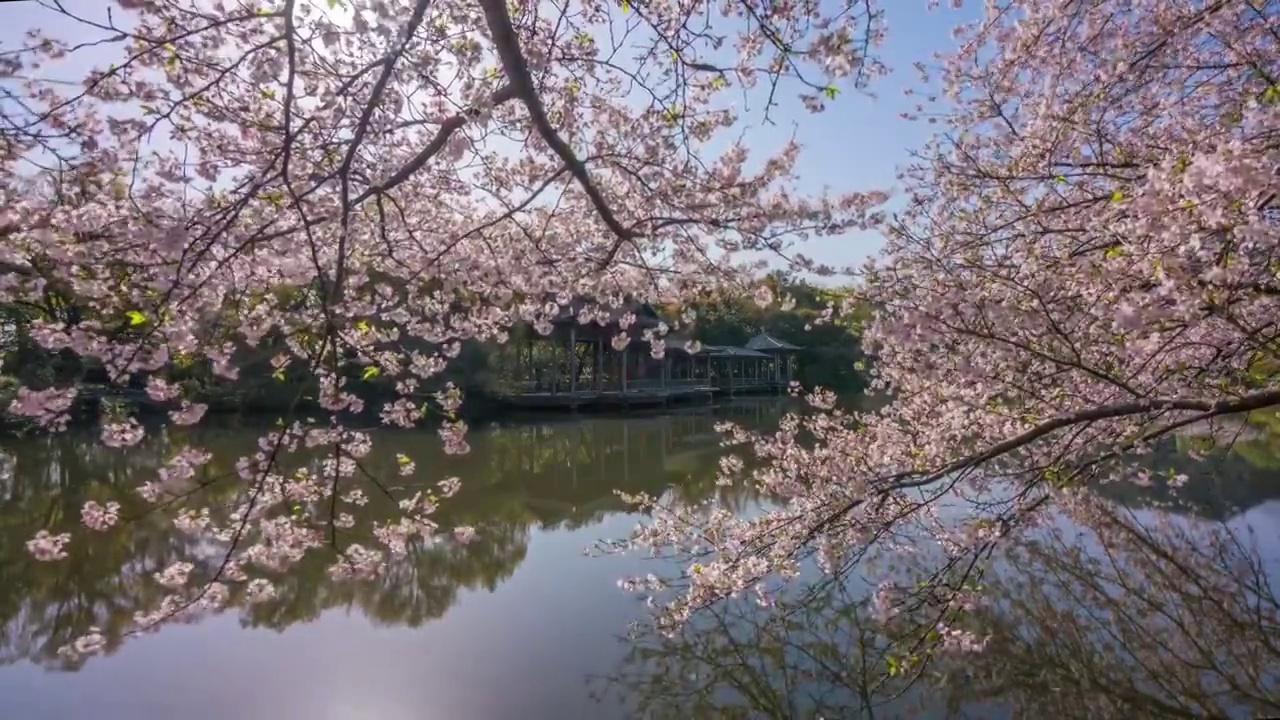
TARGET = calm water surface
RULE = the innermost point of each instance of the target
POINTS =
(511, 625)
(519, 624)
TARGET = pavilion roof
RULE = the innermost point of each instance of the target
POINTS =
(678, 341)
(766, 342)
(728, 351)
(646, 316)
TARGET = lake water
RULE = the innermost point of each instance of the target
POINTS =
(518, 624)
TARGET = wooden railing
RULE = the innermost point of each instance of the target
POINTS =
(609, 385)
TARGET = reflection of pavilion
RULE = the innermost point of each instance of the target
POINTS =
(568, 472)
(577, 366)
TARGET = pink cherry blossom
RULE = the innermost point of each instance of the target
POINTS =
(763, 296)
(1082, 262)
(188, 414)
(122, 433)
(47, 547)
(47, 407)
(100, 517)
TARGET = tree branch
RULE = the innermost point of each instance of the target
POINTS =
(517, 70)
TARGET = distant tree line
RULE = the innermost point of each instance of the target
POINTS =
(831, 355)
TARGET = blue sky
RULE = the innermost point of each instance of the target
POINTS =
(855, 145)
(859, 142)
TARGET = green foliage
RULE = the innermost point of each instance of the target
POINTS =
(831, 354)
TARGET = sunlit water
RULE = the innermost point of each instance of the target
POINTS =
(519, 624)
(511, 625)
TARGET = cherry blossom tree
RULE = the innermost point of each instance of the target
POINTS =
(1086, 264)
(375, 182)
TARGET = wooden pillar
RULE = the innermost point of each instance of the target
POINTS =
(599, 369)
(557, 365)
(573, 359)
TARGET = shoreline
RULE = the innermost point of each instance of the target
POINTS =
(477, 409)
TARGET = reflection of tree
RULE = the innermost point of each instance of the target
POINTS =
(547, 476)
(1134, 619)
(816, 654)
(1239, 469)
(416, 590)
(45, 605)
(1169, 619)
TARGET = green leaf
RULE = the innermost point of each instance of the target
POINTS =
(1114, 252)
(830, 92)
(136, 318)
(275, 197)
(403, 459)
(626, 6)
(335, 4)
(1060, 179)
(369, 372)
(1117, 195)
(1271, 95)
(278, 375)
(362, 326)
(268, 93)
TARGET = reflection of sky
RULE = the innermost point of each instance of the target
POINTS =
(1263, 523)
(522, 651)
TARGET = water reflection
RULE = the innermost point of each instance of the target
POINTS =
(1138, 615)
(1238, 470)
(517, 480)
(1164, 603)
(1145, 613)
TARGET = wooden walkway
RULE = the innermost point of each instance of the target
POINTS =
(645, 393)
